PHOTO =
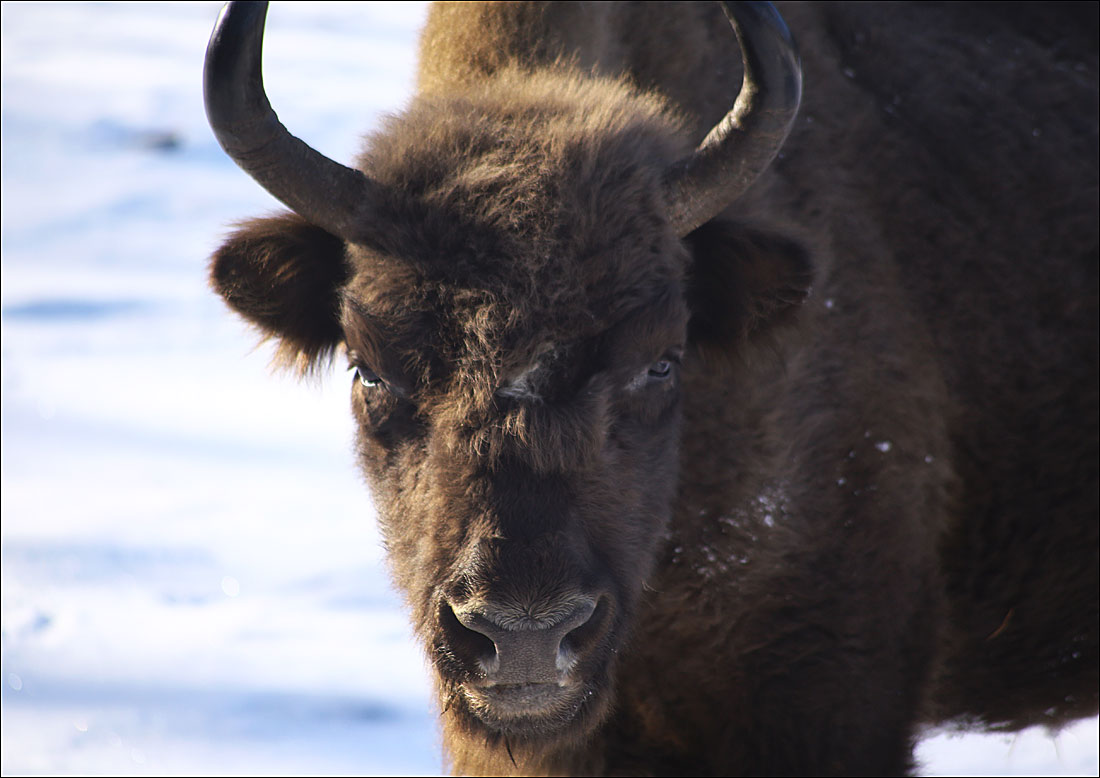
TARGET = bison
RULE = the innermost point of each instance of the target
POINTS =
(695, 449)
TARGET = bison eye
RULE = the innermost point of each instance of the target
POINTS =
(368, 377)
(660, 369)
(364, 374)
(658, 372)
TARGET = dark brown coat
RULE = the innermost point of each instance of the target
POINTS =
(763, 499)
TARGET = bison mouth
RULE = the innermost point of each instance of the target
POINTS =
(529, 709)
(545, 713)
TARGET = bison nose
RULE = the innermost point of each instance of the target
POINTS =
(510, 648)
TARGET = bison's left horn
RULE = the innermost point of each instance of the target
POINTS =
(741, 146)
(324, 192)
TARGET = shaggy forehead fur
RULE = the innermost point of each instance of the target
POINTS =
(522, 218)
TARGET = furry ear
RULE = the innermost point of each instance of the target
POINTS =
(284, 275)
(745, 283)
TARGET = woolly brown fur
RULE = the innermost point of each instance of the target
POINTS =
(825, 469)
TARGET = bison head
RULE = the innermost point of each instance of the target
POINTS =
(507, 272)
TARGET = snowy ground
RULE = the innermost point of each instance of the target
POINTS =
(192, 581)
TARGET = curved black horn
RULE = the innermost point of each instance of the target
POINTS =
(324, 192)
(741, 146)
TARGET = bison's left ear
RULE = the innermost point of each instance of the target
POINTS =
(745, 283)
(284, 275)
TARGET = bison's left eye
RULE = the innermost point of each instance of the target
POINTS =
(660, 369)
(657, 373)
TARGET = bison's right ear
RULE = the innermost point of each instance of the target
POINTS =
(745, 286)
(284, 275)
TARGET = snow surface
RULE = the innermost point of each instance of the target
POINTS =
(192, 580)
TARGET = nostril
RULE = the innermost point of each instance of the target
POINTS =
(469, 646)
(582, 638)
(511, 645)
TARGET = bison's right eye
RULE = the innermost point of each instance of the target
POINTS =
(385, 412)
(363, 374)
(368, 377)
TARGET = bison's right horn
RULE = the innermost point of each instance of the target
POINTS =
(325, 193)
(741, 146)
